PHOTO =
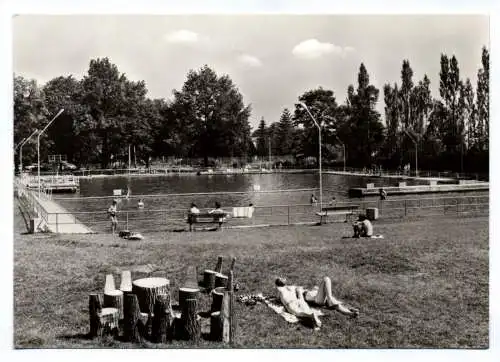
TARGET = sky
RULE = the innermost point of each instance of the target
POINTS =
(272, 59)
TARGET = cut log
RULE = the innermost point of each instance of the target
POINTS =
(225, 314)
(209, 279)
(220, 280)
(161, 329)
(187, 293)
(134, 326)
(217, 295)
(109, 320)
(110, 283)
(218, 266)
(114, 299)
(126, 282)
(232, 264)
(95, 308)
(215, 327)
(190, 321)
(147, 289)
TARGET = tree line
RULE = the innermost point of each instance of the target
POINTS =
(105, 113)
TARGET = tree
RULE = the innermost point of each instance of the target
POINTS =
(392, 147)
(285, 133)
(212, 114)
(113, 102)
(65, 93)
(322, 105)
(261, 135)
(361, 129)
(30, 113)
(483, 101)
(406, 93)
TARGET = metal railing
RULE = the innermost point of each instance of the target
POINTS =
(146, 220)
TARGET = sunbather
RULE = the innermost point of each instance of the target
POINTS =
(296, 299)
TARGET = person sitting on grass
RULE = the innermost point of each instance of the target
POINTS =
(363, 227)
(296, 299)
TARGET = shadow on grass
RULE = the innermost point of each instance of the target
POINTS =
(76, 336)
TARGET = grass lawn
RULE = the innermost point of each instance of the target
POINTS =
(424, 285)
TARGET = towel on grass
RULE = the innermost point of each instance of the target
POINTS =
(276, 306)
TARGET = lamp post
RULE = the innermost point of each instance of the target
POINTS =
(21, 151)
(38, 148)
(319, 156)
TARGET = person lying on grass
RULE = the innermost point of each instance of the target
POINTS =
(296, 299)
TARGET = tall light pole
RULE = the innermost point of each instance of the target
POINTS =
(38, 148)
(319, 156)
(21, 150)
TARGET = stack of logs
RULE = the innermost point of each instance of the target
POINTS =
(143, 310)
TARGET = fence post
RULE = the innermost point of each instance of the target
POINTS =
(405, 208)
(127, 221)
(288, 214)
(57, 222)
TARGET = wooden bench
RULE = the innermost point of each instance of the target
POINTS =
(206, 218)
(346, 210)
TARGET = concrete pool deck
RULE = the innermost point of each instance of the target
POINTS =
(59, 220)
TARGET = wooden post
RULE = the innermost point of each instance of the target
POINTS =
(147, 289)
(110, 283)
(134, 326)
(209, 280)
(190, 322)
(232, 264)
(126, 282)
(161, 331)
(218, 267)
(217, 296)
(114, 299)
(232, 314)
(220, 280)
(109, 321)
(95, 308)
(187, 293)
(215, 327)
(225, 315)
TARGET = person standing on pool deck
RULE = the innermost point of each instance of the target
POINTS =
(112, 215)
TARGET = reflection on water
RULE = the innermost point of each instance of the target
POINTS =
(155, 190)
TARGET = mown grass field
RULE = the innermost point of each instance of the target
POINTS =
(424, 285)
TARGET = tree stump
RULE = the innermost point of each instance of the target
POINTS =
(161, 328)
(217, 296)
(209, 279)
(134, 324)
(191, 327)
(95, 308)
(220, 280)
(147, 289)
(110, 283)
(109, 321)
(114, 299)
(215, 327)
(218, 266)
(187, 293)
(126, 282)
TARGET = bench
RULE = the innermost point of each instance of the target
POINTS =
(206, 218)
(346, 210)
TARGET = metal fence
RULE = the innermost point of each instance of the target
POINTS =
(146, 220)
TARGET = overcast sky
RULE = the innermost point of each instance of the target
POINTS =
(271, 58)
